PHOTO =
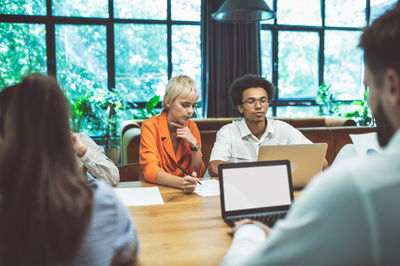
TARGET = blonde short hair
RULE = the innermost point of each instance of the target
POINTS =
(181, 85)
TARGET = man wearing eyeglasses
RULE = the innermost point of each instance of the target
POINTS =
(239, 141)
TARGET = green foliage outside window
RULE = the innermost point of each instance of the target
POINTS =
(23, 7)
(141, 56)
(330, 105)
(22, 51)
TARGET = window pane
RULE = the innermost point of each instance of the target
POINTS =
(343, 64)
(81, 58)
(82, 67)
(22, 7)
(22, 51)
(378, 7)
(186, 53)
(77, 8)
(140, 9)
(296, 111)
(298, 64)
(141, 62)
(347, 13)
(186, 10)
(266, 54)
(299, 12)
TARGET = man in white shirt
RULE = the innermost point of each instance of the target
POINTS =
(240, 140)
(349, 214)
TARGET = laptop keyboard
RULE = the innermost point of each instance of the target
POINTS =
(268, 220)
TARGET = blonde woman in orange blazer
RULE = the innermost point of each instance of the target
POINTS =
(171, 140)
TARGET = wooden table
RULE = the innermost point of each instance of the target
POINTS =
(186, 230)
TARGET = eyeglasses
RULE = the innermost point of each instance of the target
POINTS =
(252, 101)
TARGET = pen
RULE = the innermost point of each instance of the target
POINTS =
(187, 172)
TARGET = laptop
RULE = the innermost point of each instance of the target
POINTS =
(306, 160)
(259, 191)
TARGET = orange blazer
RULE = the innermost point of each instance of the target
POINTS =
(156, 152)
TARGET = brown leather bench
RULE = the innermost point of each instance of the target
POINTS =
(332, 130)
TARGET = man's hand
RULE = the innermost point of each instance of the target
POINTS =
(79, 148)
(213, 167)
(238, 224)
(183, 132)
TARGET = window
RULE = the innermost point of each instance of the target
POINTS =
(298, 64)
(22, 50)
(311, 42)
(133, 48)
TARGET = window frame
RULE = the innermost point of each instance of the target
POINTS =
(275, 28)
(50, 21)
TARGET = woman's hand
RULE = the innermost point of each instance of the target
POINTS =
(183, 132)
(189, 183)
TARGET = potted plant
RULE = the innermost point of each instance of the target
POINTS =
(149, 110)
(361, 112)
(83, 112)
(108, 104)
(329, 105)
(326, 99)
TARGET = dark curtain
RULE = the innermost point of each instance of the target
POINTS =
(229, 51)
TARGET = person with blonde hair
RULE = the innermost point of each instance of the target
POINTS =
(171, 141)
(49, 214)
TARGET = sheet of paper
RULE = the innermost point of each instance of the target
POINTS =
(365, 143)
(207, 188)
(139, 196)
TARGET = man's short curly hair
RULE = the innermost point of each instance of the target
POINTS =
(248, 81)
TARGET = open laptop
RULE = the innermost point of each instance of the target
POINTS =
(256, 190)
(306, 160)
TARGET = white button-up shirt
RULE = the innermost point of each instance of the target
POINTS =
(347, 215)
(235, 142)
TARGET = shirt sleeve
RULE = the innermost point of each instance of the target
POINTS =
(97, 163)
(149, 157)
(222, 149)
(126, 241)
(247, 240)
(316, 230)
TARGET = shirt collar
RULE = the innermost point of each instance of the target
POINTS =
(270, 130)
(245, 131)
(243, 128)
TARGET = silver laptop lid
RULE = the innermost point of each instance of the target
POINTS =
(306, 160)
(255, 187)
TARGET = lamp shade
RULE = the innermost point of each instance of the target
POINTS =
(243, 11)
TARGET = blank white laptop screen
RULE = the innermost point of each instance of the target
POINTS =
(256, 187)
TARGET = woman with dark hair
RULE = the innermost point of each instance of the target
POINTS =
(49, 215)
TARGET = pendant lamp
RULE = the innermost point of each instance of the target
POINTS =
(243, 11)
